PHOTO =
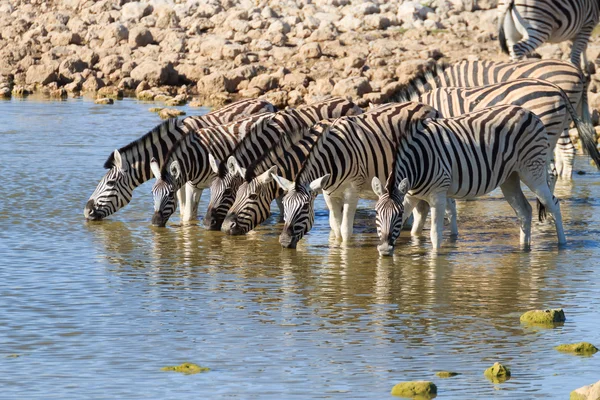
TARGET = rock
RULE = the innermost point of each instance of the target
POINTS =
(167, 113)
(215, 83)
(92, 84)
(104, 100)
(310, 50)
(278, 98)
(294, 80)
(140, 36)
(543, 316)
(497, 373)
(5, 92)
(354, 87)
(581, 348)
(42, 74)
(20, 91)
(415, 388)
(264, 83)
(135, 11)
(589, 392)
(408, 69)
(212, 47)
(145, 95)
(110, 92)
(176, 101)
(186, 368)
(155, 73)
(446, 374)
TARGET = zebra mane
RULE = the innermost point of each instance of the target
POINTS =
(285, 142)
(423, 81)
(322, 129)
(109, 163)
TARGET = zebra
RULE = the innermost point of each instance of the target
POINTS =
(129, 166)
(189, 161)
(232, 174)
(548, 101)
(466, 157)
(482, 73)
(347, 154)
(525, 24)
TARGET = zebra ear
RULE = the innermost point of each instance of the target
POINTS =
(119, 163)
(175, 169)
(377, 186)
(155, 168)
(267, 176)
(234, 167)
(282, 182)
(318, 183)
(403, 187)
(214, 164)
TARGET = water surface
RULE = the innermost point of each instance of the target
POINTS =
(94, 310)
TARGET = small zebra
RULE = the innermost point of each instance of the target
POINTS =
(525, 24)
(231, 175)
(189, 161)
(129, 166)
(548, 101)
(466, 157)
(348, 153)
(482, 73)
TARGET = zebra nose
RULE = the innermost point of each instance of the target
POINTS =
(89, 212)
(287, 241)
(385, 249)
(158, 220)
(212, 224)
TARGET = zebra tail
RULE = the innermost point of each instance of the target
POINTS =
(501, 34)
(587, 133)
(541, 209)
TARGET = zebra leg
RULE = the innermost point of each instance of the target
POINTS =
(197, 194)
(181, 195)
(451, 214)
(438, 210)
(522, 38)
(542, 192)
(192, 198)
(552, 174)
(420, 213)
(349, 210)
(578, 49)
(279, 202)
(511, 188)
(564, 155)
(335, 206)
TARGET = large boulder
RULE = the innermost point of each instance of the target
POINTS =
(213, 83)
(354, 87)
(135, 11)
(155, 73)
(42, 74)
(589, 392)
(140, 36)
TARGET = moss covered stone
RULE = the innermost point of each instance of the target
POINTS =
(543, 316)
(497, 373)
(424, 389)
(167, 113)
(186, 368)
(446, 374)
(155, 109)
(581, 348)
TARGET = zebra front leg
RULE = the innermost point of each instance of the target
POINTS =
(542, 192)
(511, 188)
(192, 198)
(181, 196)
(335, 205)
(349, 210)
(419, 213)
(279, 202)
(438, 210)
(451, 214)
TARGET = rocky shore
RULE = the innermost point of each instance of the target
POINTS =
(214, 51)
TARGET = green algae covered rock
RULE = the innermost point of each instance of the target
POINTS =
(411, 389)
(155, 109)
(446, 374)
(589, 392)
(186, 368)
(497, 373)
(581, 348)
(543, 317)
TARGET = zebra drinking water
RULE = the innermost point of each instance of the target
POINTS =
(525, 24)
(231, 175)
(129, 166)
(466, 157)
(189, 161)
(348, 153)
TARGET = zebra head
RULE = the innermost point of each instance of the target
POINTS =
(252, 205)
(298, 205)
(223, 189)
(163, 191)
(112, 193)
(389, 212)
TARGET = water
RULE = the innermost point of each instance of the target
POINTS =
(94, 310)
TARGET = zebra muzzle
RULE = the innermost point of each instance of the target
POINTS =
(231, 227)
(287, 241)
(159, 220)
(89, 212)
(385, 249)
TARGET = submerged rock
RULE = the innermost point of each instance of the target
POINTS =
(424, 389)
(446, 374)
(167, 113)
(589, 392)
(497, 373)
(155, 109)
(186, 368)
(542, 317)
(581, 348)
(105, 100)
